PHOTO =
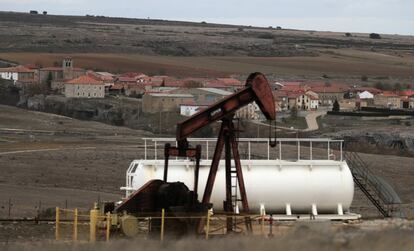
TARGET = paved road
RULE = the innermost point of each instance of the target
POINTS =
(311, 120)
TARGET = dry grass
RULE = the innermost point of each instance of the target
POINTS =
(344, 64)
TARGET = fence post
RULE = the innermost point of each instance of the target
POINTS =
(57, 219)
(93, 222)
(162, 224)
(262, 214)
(75, 225)
(108, 225)
(208, 223)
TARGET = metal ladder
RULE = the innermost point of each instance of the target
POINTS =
(377, 190)
(234, 189)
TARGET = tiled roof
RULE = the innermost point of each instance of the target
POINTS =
(85, 80)
(171, 95)
(328, 89)
(19, 68)
(56, 68)
(389, 94)
(126, 79)
(408, 93)
(230, 81)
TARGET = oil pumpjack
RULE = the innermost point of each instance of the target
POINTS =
(175, 196)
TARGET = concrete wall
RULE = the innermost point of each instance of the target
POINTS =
(84, 91)
(154, 104)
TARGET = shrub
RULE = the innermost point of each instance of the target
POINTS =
(294, 112)
(348, 34)
(336, 107)
(266, 36)
(374, 36)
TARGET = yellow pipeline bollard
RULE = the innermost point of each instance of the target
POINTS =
(262, 225)
(93, 222)
(57, 219)
(162, 224)
(75, 225)
(108, 225)
(208, 223)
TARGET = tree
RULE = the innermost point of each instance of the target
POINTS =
(49, 81)
(294, 112)
(374, 36)
(379, 85)
(397, 87)
(348, 34)
(336, 107)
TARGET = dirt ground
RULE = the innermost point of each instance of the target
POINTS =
(48, 160)
(368, 235)
(58, 161)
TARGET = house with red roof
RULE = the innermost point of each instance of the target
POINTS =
(18, 73)
(388, 99)
(407, 99)
(328, 92)
(84, 87)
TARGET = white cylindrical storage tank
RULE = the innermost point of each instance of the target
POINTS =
(299, 187)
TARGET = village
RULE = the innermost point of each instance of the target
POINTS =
(190, 95)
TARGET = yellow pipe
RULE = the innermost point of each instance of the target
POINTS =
(162, 224)
(208, 224)
(57, 224)
(108, 225)
(93, 222)
(262, 224)
(75, 225)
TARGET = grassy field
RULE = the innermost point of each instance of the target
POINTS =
(341, 65)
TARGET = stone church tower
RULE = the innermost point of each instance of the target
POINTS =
(67, 67)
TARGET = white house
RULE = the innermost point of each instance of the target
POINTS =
(366, 95)
(84, 87)
(190, 110)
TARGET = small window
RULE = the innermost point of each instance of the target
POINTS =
(134, 168)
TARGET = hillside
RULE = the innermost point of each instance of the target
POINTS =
(201, 49)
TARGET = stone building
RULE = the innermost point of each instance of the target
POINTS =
(84, 87)
(164, 102)
(250, 112)
(328, 93)
(59, 75)
(204, 96)
(387, 99)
